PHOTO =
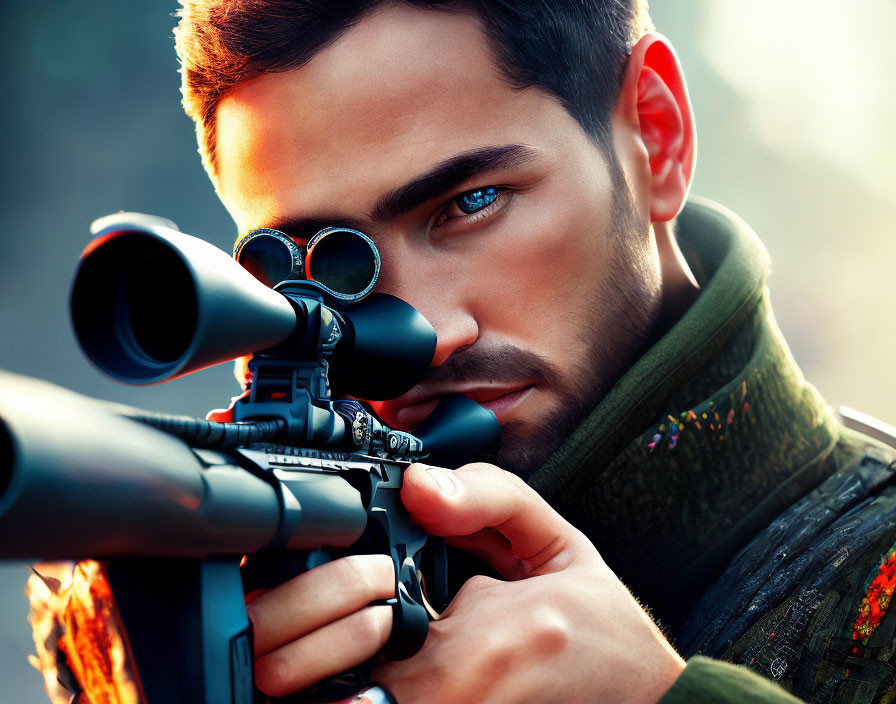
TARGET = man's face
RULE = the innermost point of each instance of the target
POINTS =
(495, 214)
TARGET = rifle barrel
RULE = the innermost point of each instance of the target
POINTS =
(77, 481)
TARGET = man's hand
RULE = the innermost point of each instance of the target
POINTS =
(563, 628)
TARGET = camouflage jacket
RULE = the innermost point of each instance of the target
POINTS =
(723, 491)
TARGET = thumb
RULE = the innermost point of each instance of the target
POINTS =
(478, 497)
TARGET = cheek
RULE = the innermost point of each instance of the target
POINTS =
(548, 258)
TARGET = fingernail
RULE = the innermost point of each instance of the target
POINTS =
(443, 481)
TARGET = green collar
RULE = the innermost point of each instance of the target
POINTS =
(707, 438)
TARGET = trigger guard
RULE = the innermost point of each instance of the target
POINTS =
(410, 619)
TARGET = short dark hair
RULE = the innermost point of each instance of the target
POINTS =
(574, 50)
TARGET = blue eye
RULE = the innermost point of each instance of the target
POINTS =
(471, 201)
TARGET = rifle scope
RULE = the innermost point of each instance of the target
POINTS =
(150, 303)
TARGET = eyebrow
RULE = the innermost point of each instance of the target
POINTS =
(446, 175)
(439, 179)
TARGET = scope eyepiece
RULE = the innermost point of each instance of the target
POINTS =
(270, 256)
(343, 262)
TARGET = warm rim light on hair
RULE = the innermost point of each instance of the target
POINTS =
(221, 43)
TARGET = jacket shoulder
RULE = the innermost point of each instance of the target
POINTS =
(806, 603)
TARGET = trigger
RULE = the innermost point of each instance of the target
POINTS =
(410, 622)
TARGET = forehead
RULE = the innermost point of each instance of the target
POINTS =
(400, 91)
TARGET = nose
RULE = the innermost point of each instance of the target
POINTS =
(454, 330)
(432, 288)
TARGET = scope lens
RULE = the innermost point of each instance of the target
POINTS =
(344, 261)
(133, 306)
(159, 315)
(270, 256)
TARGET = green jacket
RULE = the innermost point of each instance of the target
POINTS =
(721, 489)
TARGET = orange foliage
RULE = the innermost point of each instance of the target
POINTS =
(78, 635)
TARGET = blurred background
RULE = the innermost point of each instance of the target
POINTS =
(794, 105)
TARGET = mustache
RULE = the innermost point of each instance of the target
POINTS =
(504, 363)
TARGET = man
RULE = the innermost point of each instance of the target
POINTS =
(523, 171)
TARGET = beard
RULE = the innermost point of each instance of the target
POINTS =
(624, 305)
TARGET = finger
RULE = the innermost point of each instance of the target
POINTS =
(317, 597)
(476, 496)
(327, 651)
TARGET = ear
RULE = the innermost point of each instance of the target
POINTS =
(653, 103)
